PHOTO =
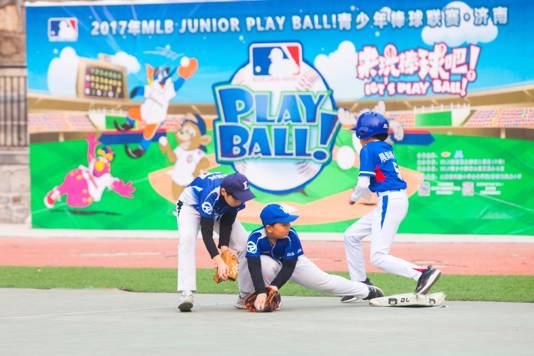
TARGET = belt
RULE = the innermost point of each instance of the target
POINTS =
(387, 192)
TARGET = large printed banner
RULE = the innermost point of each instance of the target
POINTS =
(130, 102)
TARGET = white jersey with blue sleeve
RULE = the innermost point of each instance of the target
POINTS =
(288, 248)
(378, 162)
(203, 195)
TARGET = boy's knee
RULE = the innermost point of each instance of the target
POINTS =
(351, 237)
(377, 258)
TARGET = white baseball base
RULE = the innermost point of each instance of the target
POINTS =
(409, 300)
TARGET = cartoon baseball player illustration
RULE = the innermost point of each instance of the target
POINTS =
(275, 255)
(210, 203)
(161, 88)
(85, 185)
(380, 173)
(189, 157)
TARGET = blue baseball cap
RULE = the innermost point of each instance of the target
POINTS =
(237, 185)
(371, 123)
(275, 213)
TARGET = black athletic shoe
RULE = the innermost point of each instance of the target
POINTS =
(122, 127)
(368, 282)
(351, 298)
(186, 303)
(348, 298)
(374, 292)
(426, 281)
(137, 153)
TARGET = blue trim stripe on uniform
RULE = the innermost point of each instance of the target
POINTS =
(384, 209)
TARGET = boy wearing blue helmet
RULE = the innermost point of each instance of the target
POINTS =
(275, 255)
(379, 173)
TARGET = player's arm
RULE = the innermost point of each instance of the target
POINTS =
(367, 170)
(225, 229)
(361, 189)
(254, 267)
(288, 267)
(206, 229)
(289, 261)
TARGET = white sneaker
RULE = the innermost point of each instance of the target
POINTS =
(240, 302)
(186, 303)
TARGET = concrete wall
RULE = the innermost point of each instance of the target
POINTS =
(14, 186)
(12, 33)
(14, 169)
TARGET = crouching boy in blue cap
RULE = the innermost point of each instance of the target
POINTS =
(274, 256)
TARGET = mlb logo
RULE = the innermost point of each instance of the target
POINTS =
(275, 59)
(63, 29)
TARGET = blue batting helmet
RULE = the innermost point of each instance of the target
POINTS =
(371, 123)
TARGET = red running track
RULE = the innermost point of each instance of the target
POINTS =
(451, 258)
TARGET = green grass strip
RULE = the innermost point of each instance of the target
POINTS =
(479, 288)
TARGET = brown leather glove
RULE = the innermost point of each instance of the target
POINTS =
(233, 266)
(271, 304)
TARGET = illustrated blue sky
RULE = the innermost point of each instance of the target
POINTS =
(507, 60)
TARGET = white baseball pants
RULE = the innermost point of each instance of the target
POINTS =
(382, 224)
(188, 228)
(307, 274)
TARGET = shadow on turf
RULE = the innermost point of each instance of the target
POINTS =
(85, 212)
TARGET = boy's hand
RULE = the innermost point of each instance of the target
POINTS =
(259, 304)
(227, 265)
(354, 197)
(264, 302)
(222, 271)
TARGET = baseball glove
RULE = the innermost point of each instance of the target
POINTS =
(233, 266)
(271, 304)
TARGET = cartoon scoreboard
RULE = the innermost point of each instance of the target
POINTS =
(99, 79)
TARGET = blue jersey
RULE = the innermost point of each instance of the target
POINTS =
(288, 248)
(203, 194)
(378, 162)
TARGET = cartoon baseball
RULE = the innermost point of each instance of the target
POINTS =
(160, 89)
(85, 185)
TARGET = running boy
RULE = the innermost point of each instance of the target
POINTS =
(211, 202)
(380, 173)
(275, 255)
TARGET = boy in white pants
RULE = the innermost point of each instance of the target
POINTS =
(211, 202)
(380, 173)
(275, 255)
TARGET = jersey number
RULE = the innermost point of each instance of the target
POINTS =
(397, 170)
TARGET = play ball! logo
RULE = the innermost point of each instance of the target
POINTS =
(277, 119)
(63, 29)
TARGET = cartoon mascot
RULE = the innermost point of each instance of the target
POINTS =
(189, 156)
(161, 88)
(85, 185)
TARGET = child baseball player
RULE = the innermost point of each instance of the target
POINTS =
(210, 202)
(380, 173)
(274, 256)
